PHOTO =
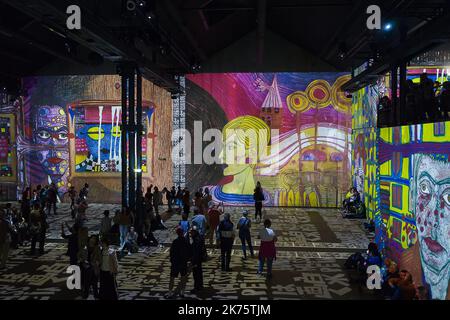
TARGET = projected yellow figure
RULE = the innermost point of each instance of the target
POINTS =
(243, 137)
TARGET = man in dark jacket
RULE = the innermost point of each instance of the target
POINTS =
(180, 255)
(226, 235)
(198, 254)
(52, 196)
(72, 245)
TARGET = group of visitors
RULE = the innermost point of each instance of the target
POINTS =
(425, 100)
(99, 262)
(188, 250)
(29, 224)
(396, 284)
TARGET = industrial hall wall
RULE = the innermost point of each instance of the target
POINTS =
(414, 187)
(68, 133)
(403, 174)
(307, 119)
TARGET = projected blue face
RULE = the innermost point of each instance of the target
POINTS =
(105, 140)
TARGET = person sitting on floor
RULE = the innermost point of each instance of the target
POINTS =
(388, 271)
(131, 241)
(403, 286)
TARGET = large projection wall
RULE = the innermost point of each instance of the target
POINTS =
(69, 133)
(415, 200)
(364, 152)
(313, 145)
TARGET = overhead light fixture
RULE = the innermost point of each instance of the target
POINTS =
(388, 26)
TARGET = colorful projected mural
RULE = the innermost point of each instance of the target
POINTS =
(69, 134)
(415, 201)
(7, 150)
(309, 158)
(96, 126)
(364, 137)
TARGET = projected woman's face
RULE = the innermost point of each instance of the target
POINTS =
(431, 187)
(233, 155)
(51, 130)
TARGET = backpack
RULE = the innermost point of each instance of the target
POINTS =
(184, 226)
(244, 227)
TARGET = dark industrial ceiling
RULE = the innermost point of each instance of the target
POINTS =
(168, 37)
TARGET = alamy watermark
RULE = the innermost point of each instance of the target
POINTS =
(374, 277)
(74, 279)
(232, 146)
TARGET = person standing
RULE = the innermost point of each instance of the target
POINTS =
(186, 201)
(81, 217)
(168, 199)
(5, 239)
(226, 236)
(207, 198)
(185, 226)
(91, 258)
(213, 221)
(72, 243)
(179, 197)
(38, 229)
(125, 221)
(109, 268)
(180, 254)
(52, 197)
(173, 195)
(157, 200)
(267, 250)
(72, 195)
(43, 197)
(198, 203)
(198, 254)
(258, 196)
(84, 192)
(199, 221)
(148, 199)
(105, 224)
(244, 226)
(25, 204)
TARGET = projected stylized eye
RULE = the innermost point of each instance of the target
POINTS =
(96, 134)
(62, 136)
(424, 188)
(115, 131)
(43, 134)
(446, 197)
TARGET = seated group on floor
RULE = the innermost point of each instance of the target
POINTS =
(396, 283)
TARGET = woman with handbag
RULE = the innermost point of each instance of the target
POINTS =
(267, 250)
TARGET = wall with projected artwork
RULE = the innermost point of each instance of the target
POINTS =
(69, 134)
(309, 158)
(415, 201)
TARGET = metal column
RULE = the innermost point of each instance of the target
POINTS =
(131, 142)
(124, 134)
(139, 130)
(131, 135)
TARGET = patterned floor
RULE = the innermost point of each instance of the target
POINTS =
(313, 245)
